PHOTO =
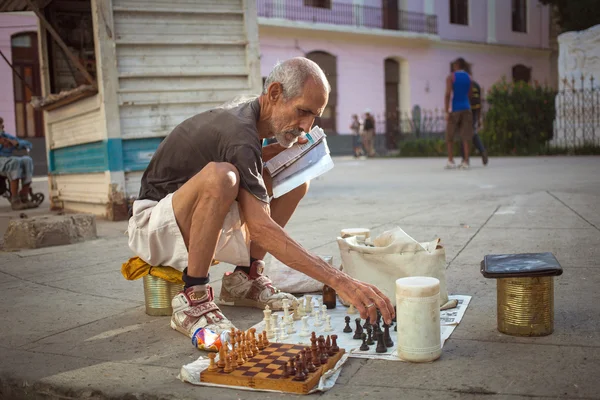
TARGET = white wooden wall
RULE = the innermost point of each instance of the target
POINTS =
(181, 57)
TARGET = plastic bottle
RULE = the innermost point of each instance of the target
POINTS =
(208, 340)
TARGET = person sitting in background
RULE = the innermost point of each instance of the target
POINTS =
(16, 168)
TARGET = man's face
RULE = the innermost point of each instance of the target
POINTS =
(293, 116)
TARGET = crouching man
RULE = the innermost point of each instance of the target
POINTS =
(207, 175)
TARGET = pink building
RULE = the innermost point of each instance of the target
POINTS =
(392, 55)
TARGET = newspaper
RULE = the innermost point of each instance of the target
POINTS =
(449, 320)
(291, 155)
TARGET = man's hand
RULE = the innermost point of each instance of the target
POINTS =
(8, 142)
(273, 149)
(366, 298)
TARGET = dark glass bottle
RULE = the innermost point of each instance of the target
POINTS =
(329, 297)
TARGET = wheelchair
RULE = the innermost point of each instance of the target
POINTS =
(34, 198)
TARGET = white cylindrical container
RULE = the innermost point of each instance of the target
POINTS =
(418, 318)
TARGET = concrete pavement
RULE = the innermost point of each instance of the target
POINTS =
(73, 327)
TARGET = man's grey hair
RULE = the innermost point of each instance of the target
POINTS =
(293, 75)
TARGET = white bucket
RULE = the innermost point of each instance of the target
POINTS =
(418, 317)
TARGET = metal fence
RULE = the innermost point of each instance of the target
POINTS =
(350, 15)
(577, 122)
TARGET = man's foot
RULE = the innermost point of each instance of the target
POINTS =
(450, 165)
(17, 205)
(464, 165)
(194, 308)
(484, 157)
(253, 290)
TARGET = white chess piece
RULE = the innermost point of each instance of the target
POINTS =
(286, 309)
(351, 309)
(328, 327)
(267, 319)
(320, 302)
(308, 308)
(273, 326)
(323, 312)
(282, 334)
(317, 316)
(275, 334)
(304, 331)
(290, 328)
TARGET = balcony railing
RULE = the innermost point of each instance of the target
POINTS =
(349, 15)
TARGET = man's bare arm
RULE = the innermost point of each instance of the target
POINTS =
(448, 94)
(271, 237)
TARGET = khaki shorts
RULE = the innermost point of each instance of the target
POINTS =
(154, 235)
(461, 122)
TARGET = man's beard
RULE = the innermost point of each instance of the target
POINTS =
(281, 136)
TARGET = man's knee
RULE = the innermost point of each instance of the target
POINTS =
(222, 180)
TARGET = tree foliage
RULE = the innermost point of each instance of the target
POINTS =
(576, 15)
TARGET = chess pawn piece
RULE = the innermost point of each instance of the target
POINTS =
(317, 315)
(265, 339)
(292, 366)
(370, 341)
(387, 339)
(323, 312)
(275, 334)
(347, 328)
(334, 346)
(304, 331)
(260, 343)
(308, 308)
(290, 328)
(359, 329)
(212, 366)
(351, 309)
(286, 372)
(381, 348)
(328, 327)
(282, 334)
(364, 346)
(367, 323)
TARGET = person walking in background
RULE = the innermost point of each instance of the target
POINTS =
(356, 139)
(369, 133)
(476, 96)
(458, 118)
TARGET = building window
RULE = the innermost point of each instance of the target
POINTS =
(519, 15)
(521, 73)
(318, 3)
(459, 12)
(328, 63)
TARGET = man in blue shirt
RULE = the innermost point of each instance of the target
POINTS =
(16, 168)
(459, 118)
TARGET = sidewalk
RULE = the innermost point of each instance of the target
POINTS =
(73, 327)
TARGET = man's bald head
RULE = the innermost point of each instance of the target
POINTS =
(293, 75)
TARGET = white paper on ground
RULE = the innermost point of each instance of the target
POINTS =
(449, 320)
(191, 373)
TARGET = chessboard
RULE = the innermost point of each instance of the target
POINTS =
(277, 366)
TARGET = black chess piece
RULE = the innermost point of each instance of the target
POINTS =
(367, 323)
(347, 329)
(376, 329)
(394, 319)
(380, 343)
(359, 329)
(370, 341)
(292, 370)
(378, 317)
(386, 336)
(300, 375)
(396, 327)
(364, 346)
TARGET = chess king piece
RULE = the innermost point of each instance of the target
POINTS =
(364, 346)
(347, 328)
(381, 348)
(359, 330)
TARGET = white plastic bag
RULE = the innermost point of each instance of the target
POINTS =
(395, 255)
(289, 280)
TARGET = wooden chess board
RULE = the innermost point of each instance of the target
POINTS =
(265, 371)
